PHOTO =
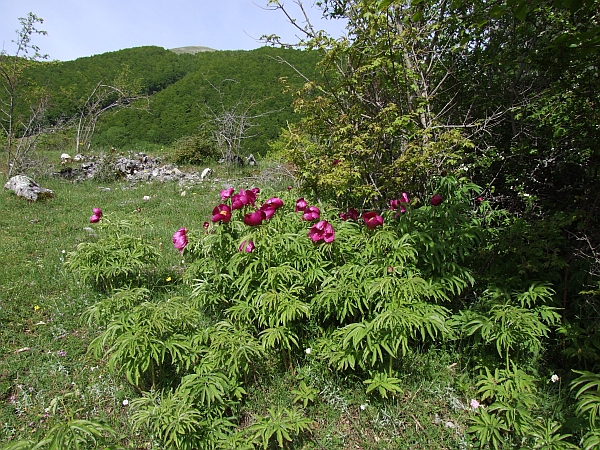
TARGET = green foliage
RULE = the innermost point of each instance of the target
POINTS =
(588, 405)
(305, 394)
(118, 258)
(195, 150)
(383, 384)
(280, 423)
(75, 434)
(513, 413)
(514, 322)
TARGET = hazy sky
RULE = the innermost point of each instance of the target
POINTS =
(79, 28)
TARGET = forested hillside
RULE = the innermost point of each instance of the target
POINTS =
(183, 89)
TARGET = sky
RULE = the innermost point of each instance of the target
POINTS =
(79, 28)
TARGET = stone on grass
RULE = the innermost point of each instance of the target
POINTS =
(25, 187)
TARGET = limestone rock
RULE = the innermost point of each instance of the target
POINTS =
(25, 187)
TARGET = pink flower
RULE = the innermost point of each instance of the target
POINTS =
(180, 239)
(96, 216)
(251, 195)
(474, 404)
(336, 162)
(221, 213)
(352, 214)
(274, 202)
(436, 200)
(246, 246)
(255, 218)
(238, 201)
(322, 230)
(311, 213)
(301, 205)
(268, 210)
(400, 203)
(206, 225)
(372, 219)
(226, 193)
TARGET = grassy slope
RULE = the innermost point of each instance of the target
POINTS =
(46, 375)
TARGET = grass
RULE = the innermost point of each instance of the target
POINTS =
(47, 376)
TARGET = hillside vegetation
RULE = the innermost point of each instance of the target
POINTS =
(414, 263)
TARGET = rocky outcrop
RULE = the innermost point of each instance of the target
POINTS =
(27, 188)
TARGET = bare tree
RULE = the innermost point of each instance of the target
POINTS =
(20, 131)
(232, 124)
(122, 93)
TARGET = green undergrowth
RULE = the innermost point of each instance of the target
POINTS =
(371, 335)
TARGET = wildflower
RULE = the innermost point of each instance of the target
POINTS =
(61, 353)
(474, 404)
(372, 219)
(336, 162)
(238, 201)
(96, 216)
(554, 378)
(180, 239)
(322, 230)
(268, 210)
(301, 205)
(400, 203)
(146, 198)
(36, 308)
(274, 202)
(289, 188)
(311, 213)
(436, 200)
(221, 213)
(206, 225)
(125, 402)
(168, 279)
(308, 351)
(363, 407)
(226, 193)
(246, 246)
(255, 218)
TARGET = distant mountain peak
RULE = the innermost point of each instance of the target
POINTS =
(192, 49)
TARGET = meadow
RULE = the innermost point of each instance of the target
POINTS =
(277, 338)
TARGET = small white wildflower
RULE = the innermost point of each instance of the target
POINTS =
(308, 351)
(554, 378)
(146, 198)
(125, 402)
(363, 407)
(63, 251)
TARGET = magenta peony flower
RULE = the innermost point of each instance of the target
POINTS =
(180, 239)
(226, 193)
(255, 218)
(246, 246)
(221, 213)
(436, 200)
(268, 210)
(372, 219)
(311, 213)
(251, 195)
(96, 216)
(352, 214)
(322, 230)
(344, 216)
(274, 202)
(238, 201)
(301, 205)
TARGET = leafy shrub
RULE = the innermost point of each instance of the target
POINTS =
(195, 150)
(120, 256)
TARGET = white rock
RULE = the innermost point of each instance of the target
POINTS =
(206, 173)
